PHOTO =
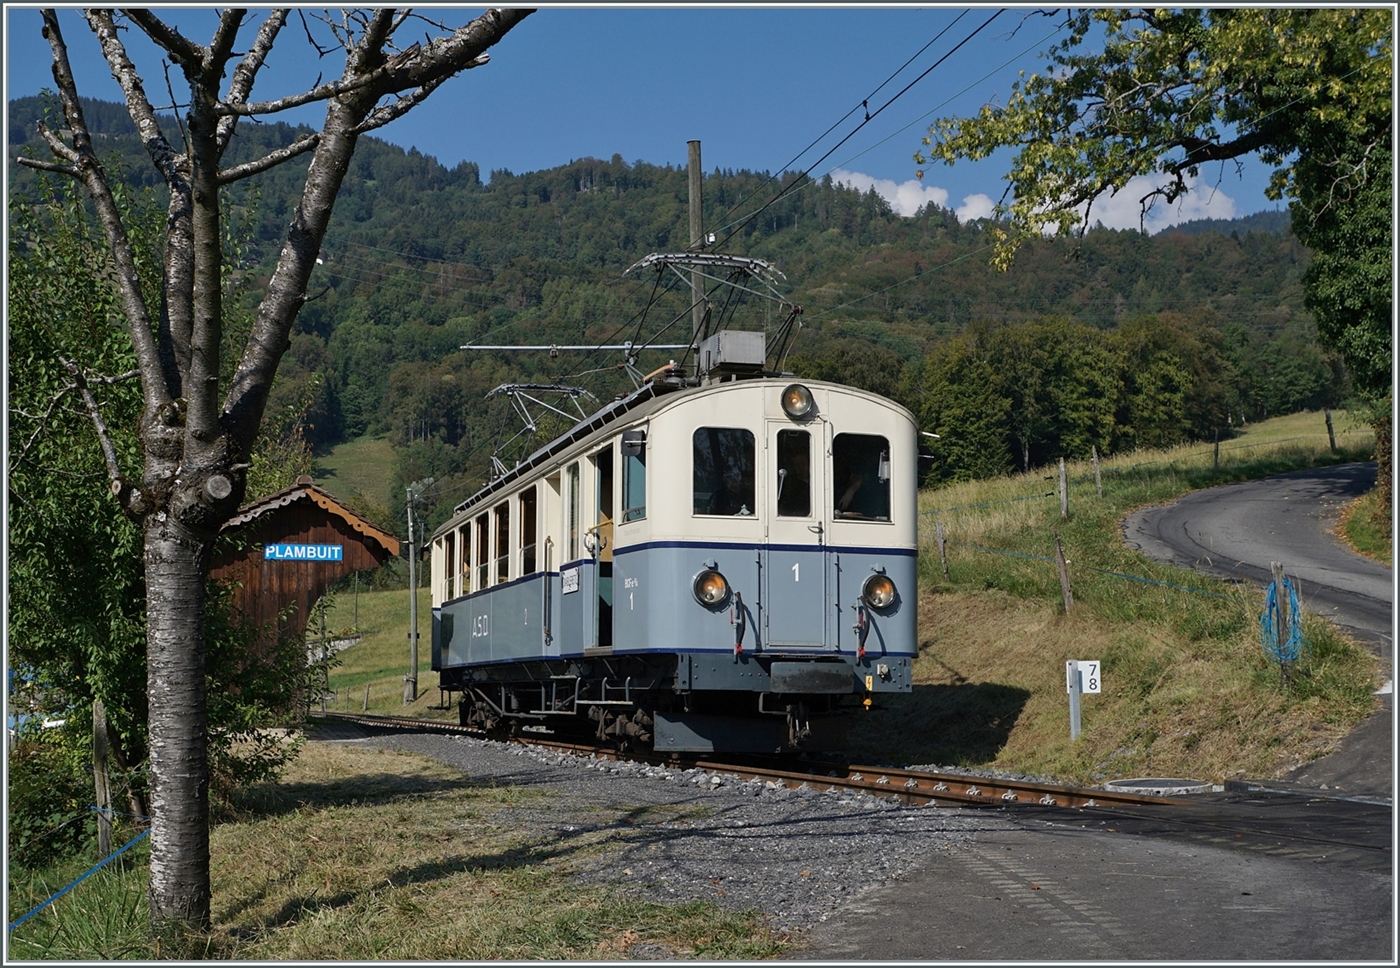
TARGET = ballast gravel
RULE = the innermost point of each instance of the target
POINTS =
(677, 835)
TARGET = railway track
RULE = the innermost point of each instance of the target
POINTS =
(910, 786)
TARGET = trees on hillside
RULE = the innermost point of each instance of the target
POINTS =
(1169, 92)
(187, 472)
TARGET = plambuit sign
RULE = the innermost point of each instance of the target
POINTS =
(303, 552)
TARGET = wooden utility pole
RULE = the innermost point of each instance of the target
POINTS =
(1064, 573)
(410, 681)
(100, 780)
(697, 240)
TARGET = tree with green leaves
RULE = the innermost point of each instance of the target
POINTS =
(195, 431)
(1151, 97)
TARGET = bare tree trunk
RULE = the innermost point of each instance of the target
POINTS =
(176, 567)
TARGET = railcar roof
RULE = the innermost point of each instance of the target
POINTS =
(640, 402)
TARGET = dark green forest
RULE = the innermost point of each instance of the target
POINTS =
(1123, 340)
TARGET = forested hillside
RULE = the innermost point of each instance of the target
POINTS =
(1170, 336)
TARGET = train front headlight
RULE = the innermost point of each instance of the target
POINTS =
(711, 588)
(798, 402)
(878, 592)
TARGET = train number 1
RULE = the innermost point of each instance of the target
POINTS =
(796, 575)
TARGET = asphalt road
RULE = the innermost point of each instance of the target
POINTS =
(1042, 889)
(1236, 530)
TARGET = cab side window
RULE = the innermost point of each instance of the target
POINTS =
(861, 477)
(723, 471)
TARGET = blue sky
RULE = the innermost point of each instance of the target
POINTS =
(754, 85)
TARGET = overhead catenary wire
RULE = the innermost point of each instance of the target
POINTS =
(868, 119)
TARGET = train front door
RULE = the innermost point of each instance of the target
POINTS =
(796, 593)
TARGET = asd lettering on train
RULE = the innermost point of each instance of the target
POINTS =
(303, 552)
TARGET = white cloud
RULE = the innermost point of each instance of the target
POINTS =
(906, 198)
(1124, 210)
(975, 206)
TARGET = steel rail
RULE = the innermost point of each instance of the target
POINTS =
(910, 786)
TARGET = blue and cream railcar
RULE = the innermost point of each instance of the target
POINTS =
(709, 567)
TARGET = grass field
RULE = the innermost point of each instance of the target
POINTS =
(371, 855)
(360, 469)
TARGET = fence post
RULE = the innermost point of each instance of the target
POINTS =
(100, 779)
(1331, 437)
(1064, 491)
(1217, 450)
(942, 547)
(1064, 572)
(1098, 481)
(1281, 597)
(366, 708)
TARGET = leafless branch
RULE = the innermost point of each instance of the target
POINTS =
(299, 147)
(137, 104)
(48, 166)
(95, 180)
(104, 437)
(246, 73)
(182, 51)
(382, 116)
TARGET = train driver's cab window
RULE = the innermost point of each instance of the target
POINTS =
(634, 475)
(861, 477)
(723, 475)
(794, 483)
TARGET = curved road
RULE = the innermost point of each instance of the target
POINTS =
(1236, 530)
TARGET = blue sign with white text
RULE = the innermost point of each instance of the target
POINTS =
(302, 552)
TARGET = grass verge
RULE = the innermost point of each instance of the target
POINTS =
(1188, 690)
(365, 854)
(1367, 528)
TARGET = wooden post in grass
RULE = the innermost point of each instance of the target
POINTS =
(1331, 437)
(366, 707)
(1064, 573)
(942, 547)
(1098, 481)
(100, 780)
(1064, 491)
(1282, 629)
(1217, 451)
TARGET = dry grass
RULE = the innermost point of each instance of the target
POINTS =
(375, 855)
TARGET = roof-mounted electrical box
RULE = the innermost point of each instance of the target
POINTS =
(731, 352)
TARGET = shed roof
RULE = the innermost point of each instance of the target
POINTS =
(304, 490)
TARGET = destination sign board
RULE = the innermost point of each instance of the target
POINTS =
(303, 552)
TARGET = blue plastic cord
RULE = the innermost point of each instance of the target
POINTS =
(1268, 625)
(90, 872)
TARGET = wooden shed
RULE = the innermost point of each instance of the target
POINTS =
(289, 547)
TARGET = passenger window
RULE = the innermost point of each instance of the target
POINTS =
(723, 471)
(483, 544)
(502, 544)
(527, 532)
(573, 474)
(464, 583)
(634, 475)
(794, 484)
(861, 469)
